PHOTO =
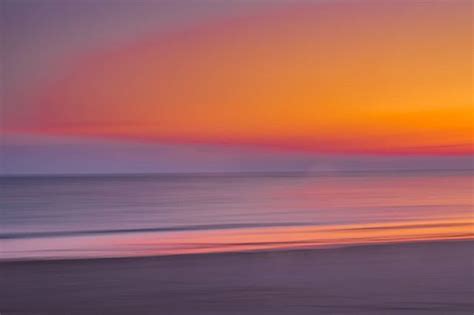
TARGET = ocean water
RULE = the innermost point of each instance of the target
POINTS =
(44, 217)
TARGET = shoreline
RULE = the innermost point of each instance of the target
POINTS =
(302, 248)
(228, 239)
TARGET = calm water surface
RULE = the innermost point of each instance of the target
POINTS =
(101, 216)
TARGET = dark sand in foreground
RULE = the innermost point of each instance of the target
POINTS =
(417, 278)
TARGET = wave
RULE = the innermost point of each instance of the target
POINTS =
(182, 228)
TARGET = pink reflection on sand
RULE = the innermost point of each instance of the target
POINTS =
(298, 237)
(236, 240)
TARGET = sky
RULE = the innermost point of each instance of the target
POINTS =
(215, 86)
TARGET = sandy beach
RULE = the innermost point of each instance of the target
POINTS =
(414, 278)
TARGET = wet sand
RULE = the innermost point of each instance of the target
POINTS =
(415, 278)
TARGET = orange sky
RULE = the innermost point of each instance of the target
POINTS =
(346, 77)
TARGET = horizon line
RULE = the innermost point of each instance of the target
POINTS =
(228, 173)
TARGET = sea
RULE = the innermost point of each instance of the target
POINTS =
(96, 216)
